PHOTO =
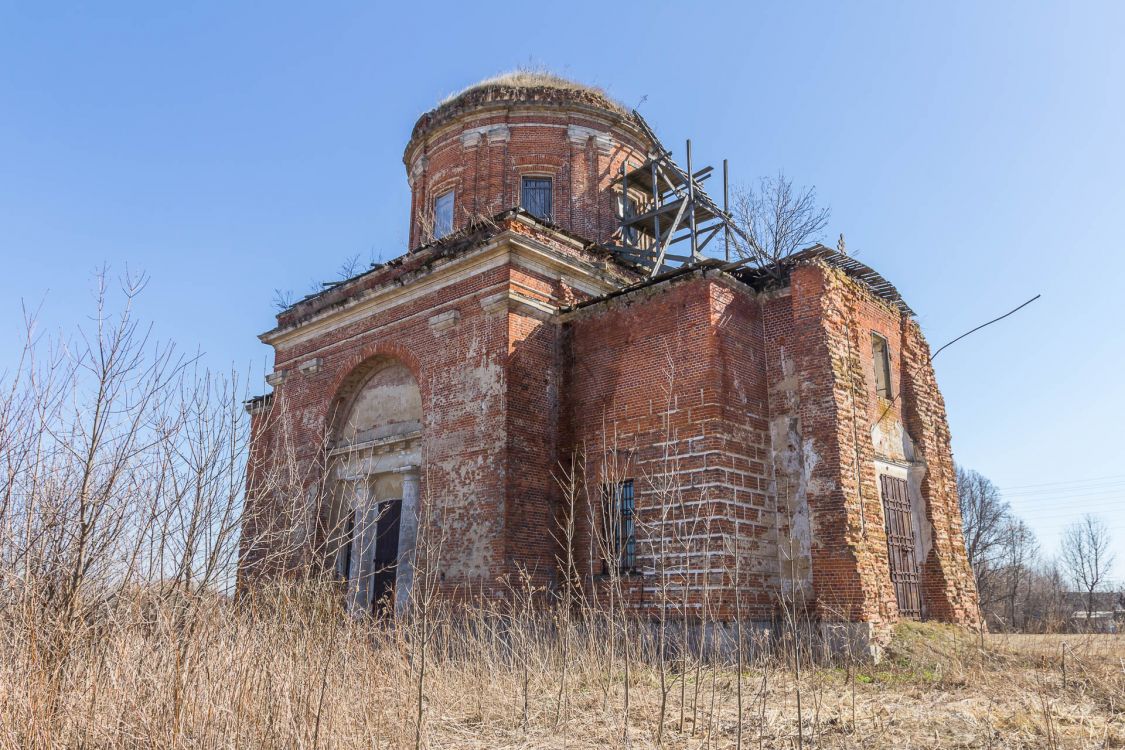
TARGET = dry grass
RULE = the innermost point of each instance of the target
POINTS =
(170, 671)
(534, 78)
(120, 503)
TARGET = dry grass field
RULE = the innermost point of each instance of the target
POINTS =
(122, 478)
(180, 672)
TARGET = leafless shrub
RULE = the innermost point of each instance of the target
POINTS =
(1088, 558)
(121, 497)
(776, 220)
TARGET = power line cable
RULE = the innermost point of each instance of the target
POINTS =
(1107, 478)
(983, 325)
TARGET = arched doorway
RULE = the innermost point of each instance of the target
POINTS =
(374, 460)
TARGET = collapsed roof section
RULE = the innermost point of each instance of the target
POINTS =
(879, 286)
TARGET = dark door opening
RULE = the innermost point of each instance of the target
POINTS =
(900, 546)
(386, 558)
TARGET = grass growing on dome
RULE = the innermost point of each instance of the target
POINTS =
(534, 78)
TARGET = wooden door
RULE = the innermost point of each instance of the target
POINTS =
(386, 557)
(900, 546)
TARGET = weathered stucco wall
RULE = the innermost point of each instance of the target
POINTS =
(834, 435)
(484, 353)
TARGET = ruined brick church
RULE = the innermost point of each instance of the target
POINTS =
(565, 376)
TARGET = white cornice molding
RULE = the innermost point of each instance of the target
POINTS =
(507, 247)
(512, 301)
(494, 303)
(580, 135)
(277, 377)
(442, 321)
(311, 366)
(619, 124)
(472, 138)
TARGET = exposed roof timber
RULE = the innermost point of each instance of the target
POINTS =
(760, 278)
(872, 279)
(678, 208)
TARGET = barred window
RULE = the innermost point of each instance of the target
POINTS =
(621, 527)
(881, 354)
(443, 215)
(535, 197)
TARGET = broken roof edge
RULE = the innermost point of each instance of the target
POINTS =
(529, 78)
(526, 87)
(760, 279)
(478, 233)
(256, 404)
(453, 238)
(861, 272)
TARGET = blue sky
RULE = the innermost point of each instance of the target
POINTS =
(972, 152)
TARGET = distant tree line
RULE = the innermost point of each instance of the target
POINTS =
(1020, 588)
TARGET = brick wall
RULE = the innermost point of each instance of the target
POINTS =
(483, 148)
(665, 387)
(748, 420)
(818, 338)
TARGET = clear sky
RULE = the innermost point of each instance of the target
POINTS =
(971, 152)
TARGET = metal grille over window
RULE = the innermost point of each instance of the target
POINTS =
(621, 524)
(536, 197)
(900, 546)
(443, 215)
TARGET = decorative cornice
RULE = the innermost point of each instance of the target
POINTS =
(416, 169)
(499, 134)
(472, 137)
(511, 301)
(580, 135)
(506, 247)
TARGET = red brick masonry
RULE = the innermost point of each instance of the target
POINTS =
(744, 411)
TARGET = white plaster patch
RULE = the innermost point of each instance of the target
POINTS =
(445, 320)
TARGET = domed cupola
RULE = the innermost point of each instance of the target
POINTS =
(548, 145)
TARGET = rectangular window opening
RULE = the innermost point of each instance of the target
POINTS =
(882, 356)
(621, 528)
(443, 215)
(629, 210)
(535, 196)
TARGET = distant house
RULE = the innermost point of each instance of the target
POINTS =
(1107, 615)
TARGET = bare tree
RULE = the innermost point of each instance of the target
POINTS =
(1019, 551)
(350, 267)
(283, 299)
(1045, 608)
(776, 219)
(1086, 556)
(984, 515)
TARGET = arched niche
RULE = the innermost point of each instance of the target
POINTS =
(374, 459)
(378, 402)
